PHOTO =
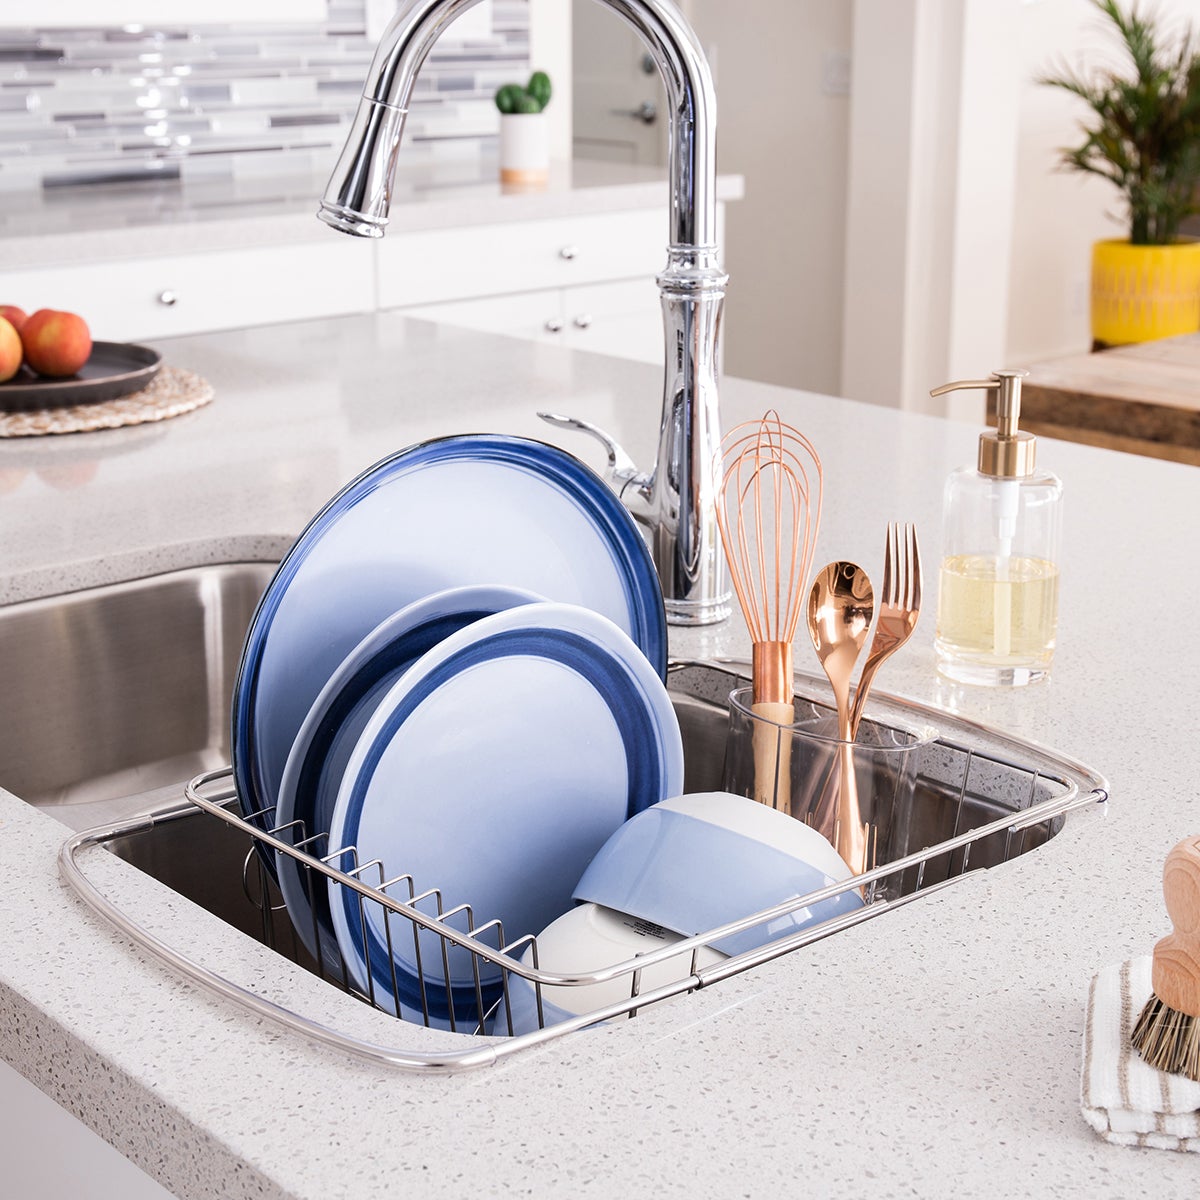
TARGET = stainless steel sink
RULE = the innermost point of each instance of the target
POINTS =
(959, 789)
(981, 799)
(115, 696)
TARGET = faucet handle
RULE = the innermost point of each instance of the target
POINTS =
(622, 471)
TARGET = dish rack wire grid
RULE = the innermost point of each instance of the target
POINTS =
(212, 795)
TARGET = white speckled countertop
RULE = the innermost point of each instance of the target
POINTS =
(933, 1052)
(56, 228)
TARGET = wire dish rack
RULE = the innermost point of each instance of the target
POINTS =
(981, 799)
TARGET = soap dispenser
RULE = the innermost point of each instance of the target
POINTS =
(998, 585)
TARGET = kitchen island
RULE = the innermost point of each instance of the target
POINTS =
(932, 1052)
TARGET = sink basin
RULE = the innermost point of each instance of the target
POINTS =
(959, 789)
(980, 800)
(121, 693)
(115, 697)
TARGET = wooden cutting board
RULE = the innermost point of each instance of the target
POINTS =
(1144, 399)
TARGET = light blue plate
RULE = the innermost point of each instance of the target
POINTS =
(314, 768)
(475, 509)
(494, 769)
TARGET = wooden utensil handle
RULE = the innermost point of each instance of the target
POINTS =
(771, 693)
(1176, 971)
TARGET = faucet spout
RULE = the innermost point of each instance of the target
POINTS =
(677, 499)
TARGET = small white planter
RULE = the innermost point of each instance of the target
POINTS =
(524, 148)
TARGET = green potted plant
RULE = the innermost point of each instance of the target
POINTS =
(1143, 136)
(524, 146)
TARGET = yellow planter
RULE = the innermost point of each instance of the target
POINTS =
(1141, 293)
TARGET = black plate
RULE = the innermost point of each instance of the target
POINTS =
(114, 369)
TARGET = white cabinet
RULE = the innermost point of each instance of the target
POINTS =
(587, 282)
(520, 256)
(622, 319)
(582, 281)
(137, 299)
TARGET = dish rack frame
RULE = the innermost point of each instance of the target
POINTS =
(212, 795)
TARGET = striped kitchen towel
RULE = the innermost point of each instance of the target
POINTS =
(1124, 1099)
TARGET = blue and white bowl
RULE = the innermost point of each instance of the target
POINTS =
(697, 862)
(677, 869)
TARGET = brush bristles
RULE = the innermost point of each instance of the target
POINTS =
(1168, 1039)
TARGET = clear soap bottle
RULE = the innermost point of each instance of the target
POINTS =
(998, 585)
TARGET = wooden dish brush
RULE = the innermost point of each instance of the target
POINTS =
(1167, 1034)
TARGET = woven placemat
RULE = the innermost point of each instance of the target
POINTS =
(172, 392)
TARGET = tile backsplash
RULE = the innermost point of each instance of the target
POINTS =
(101, 105)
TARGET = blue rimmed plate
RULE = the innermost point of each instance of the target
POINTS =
(494, 769)
(471, 509)
(313, 772)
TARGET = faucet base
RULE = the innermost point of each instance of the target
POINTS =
(699, 612)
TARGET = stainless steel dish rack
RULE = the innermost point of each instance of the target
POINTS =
(982, 798)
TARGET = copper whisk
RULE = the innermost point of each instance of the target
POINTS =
(768, 513)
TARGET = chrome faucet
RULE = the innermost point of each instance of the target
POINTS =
(676, 500)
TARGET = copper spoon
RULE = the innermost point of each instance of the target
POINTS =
(840, 607)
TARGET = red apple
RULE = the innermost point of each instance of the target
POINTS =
(16, 316)
(56, 343)
(10, 350)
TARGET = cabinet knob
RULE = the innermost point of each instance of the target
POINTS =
(582, 321)
(646, 112)
(167, 298)
(568, 252)
(554, 325)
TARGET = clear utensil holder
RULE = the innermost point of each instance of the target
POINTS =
(801, 769)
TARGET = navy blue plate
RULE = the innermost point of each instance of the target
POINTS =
(314, 769)
(470, 509)
(494, 770)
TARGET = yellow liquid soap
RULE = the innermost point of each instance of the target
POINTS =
(997, 618)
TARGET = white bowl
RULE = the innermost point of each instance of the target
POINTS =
(580, 942)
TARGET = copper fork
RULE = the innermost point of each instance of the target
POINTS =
(898, 605)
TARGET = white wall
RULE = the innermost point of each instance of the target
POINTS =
(933, 136)
(926, 235)
(967, 248)
(1059, 214)
(782, 124)
(550, 51)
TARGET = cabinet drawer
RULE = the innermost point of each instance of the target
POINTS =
(141, 299)
(481, 260)
(534, 315)
(623, 319)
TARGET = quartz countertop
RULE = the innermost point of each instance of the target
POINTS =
(61, 226)
(932, 1052)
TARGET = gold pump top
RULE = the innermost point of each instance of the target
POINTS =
(1005, 452)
